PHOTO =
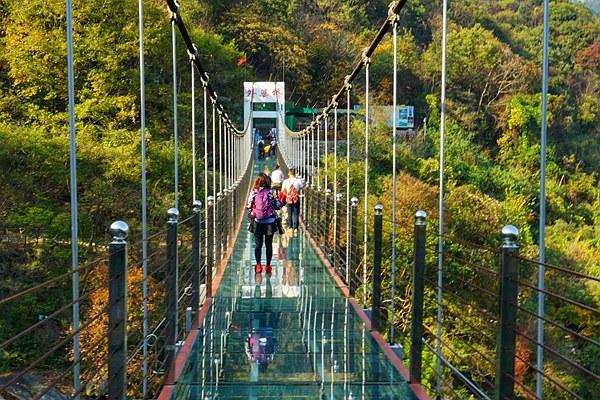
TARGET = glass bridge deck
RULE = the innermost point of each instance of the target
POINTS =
(290, 335)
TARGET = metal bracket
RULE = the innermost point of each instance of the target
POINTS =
(393, 17)
(204, 79)
(366, 60)
(174, 14)
(334, 102)
(347, 83)
(192, 55)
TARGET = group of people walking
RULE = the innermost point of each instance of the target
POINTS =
(266, 147)
(268, 196)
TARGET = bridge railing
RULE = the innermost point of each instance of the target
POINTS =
(182, 262)
(489, 307)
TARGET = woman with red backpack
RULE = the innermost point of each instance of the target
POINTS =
(291, 188)
(262, 205)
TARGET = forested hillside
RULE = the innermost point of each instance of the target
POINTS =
(493, 115)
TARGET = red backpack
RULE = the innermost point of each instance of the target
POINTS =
(292, 195)
(262, 205)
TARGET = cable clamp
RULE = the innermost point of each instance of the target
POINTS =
(192, 55)
(151, 339)
(366, 60)
(347, 83)
(213, 99)
(393, 16)
(204, 80)
(334, 102)
(174, 13)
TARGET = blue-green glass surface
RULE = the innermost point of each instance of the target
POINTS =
(288, 335)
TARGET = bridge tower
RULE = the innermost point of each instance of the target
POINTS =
(264, 101)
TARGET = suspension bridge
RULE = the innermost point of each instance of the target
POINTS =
(179, 311)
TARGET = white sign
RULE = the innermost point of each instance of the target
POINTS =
(405, 117)
(264, 92)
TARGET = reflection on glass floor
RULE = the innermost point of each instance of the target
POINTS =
(291, 335)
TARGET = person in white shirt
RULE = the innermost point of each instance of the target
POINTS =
(277, 178)
(292, 187)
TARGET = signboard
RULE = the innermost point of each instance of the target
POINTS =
(264, 100)
(405, 118)
(264, 92)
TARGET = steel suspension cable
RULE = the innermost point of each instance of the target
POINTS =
(205, 85)
(193, 128)
(144, 204)
(335, 185)
(214, 150)
(175, 135)
(312, 157)
(227, 160)
(174, 9)
(74, 216)
(229, 174)
(306, 153)
(348, 97)
(394, 184)
(441, 201)
(367, 62)
(542, 221)
(319, 156)
(326, 151)
(302, 157)
(220, 151)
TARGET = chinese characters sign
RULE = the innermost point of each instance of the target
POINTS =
(264, 92)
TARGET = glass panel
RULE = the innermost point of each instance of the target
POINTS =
(290, 335)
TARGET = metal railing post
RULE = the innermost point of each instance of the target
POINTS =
(418, 283)
(309, 207)
(353, 246)
(219, 228)
(209, 247)
(377, 322)
(171, 288)
(188, 319)
(302, 208)
(225, 221)
(117, 312)
(327, 223)
(233, 208)
(318, 218)
(506, 335)
(197, 209)
(336, 244)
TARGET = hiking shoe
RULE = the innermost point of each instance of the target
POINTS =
(258, 268)
(268, 269)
